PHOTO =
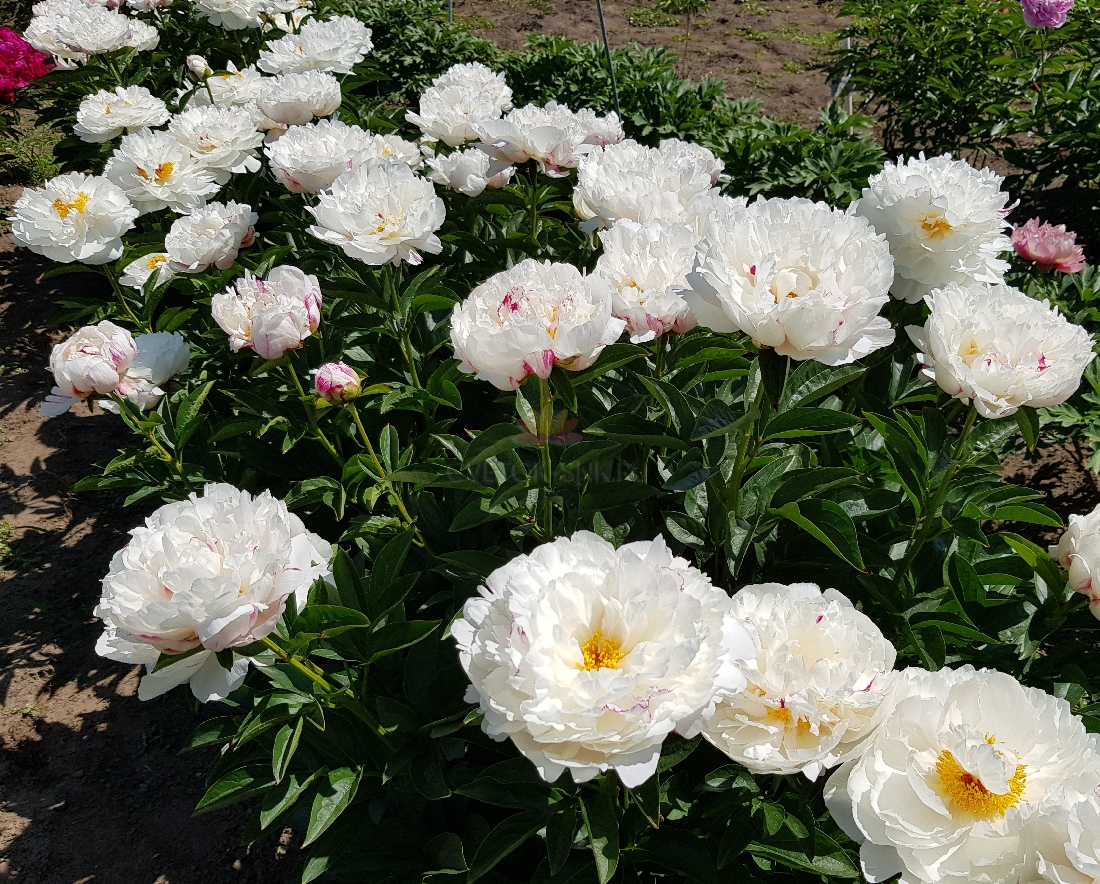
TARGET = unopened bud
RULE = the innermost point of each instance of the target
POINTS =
(336, 382)
(198, 67)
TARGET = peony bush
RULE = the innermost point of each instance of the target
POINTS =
(540, 506)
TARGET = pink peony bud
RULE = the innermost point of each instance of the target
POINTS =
(1052, 248)
(336, 382)
(1046, 13)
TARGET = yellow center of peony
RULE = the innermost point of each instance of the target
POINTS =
(970, 794)
(781, 714)
(600, 652)
(935, 226)
(161, 174)
(107, 109)
(79, 204)
(154, 261)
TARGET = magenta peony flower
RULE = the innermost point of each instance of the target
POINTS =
(1046, 13)
(20, 64)
(1052, 248)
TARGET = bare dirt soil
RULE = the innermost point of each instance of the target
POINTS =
(765, 49)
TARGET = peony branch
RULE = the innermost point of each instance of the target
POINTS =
(545, 429)
(311, 415)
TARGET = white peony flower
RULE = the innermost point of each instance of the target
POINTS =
(106, 115)
(210, 235)
(336, 46)
(233, 15)
(234, 88)
(476, 77)
(944, 220)
(599, 130)
(675, 148)
(1063, 843)
(71, 31)
(155, 171)
(553, 136)
(136, 273)
(646, 266)
(147, 5)
(715, 211)
(223, 139)
(309, 158)
(1078, 551)
(73, 217)
(587, 657)
(821, 673)
(961, 763)
(391, 150)
(293, 99)
(93, 361)
(528, 319)
(995, 346)
(380, 215)
(802, 277)
(627, 180)
(204, 575)
(468, 171)
(451, 114)
(270, 315)
(160, 357)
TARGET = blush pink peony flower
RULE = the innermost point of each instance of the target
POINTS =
(336, 382)
(1051, 247)
(1046, 13)
(20, 64)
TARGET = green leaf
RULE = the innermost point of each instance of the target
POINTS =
(813, 381)
(718, 419)
(561, 829)
(835, 865)
(601, 823)
(237, 785)
(491, 442)
(282, 796)
(612, 494)
(394, 637)
(189, 414)
(827, 522)
(319, 489)
(773, 374)
(634, 428)
(286, 744)
(798, 422)
(331, 800)
(612, 357)
(384, 573)
(212, 732)
(1027, 419)
(505, 838)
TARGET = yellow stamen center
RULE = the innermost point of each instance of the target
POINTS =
(970, 794)
(155, 261)
(600, 652)
(781, 714)
(63, 209)
(935, 226)
(161, 174)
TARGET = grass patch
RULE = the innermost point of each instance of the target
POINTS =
(793, 67)
(648, 17)
(26, 153)
(822, 42)
(474, 22)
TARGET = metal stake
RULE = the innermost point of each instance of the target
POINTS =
(610, 61)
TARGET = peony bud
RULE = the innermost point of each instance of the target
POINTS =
(336, 382)
(198, 67)
(1052, 248)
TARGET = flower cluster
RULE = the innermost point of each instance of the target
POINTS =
(20, 64)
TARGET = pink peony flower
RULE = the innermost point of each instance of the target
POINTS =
(1046, 13)
(20, 64)
(1052, 248)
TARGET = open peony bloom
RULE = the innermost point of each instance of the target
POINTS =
(71, 31)
(674, 149)
(20, 64)
(1052, 248)
(136, 273)
(233, 15)
(336, 46)
(155, 171)
(1046, 13)
(210, 235)
(468, 171)
(380, 214)
(1063, 843)
(234, 88)
(458, 100)
(1078, 551)
(587, 656)
(995, 346)
(336, 382)
(961, 764)
(106, 115)
(821, 673)
(309, 158)
(93, 361)
(73, 217)
(293, 99)
(223, 139)
(528, 319)
(637, 183)
(160, 357)
(646, 266)
(944, 220)
(270, 315)
(478, 78)
(801, 277)
(204, 575)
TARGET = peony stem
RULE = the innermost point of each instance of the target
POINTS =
(745, 453)
(393, 277)
(311, 416)
(545, 428)
(122, 300)
(150, 436)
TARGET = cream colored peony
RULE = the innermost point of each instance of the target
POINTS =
(136, 273)
(233, 15)
(452, 113)
(234, 88)
(477, 77)
(800, 277)
(211, 235)
(160, 357)
(944, 220)
(156, 172)
(106, 115)
(821, 673)
(93, 361)
(269, 315)
(468, 171)
(336, 46)
(381, 214)
(553, 136)
(528, 319)
(72, 31)
(223, 139)
(587, 656)
(203, 575)
(1063, 843)
(73, 217)
(1078, 551)
(675, 149)
(293, 99)
(963, 761)
(646, 266)
(996, 347)
(637, 183)
(309, 158)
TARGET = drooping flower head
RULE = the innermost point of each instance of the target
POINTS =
(93, 361)
(210, 235)
(1078, 551)
(73, 217)
(944, 220)
(801, 277)
(587, 656)
(821, 673)
(1046, 13)
(528, 319)
(961, 763)
(20, 64)
(204, 575)
(336, 46)
(106, 115)
(380, 214)
(223, 139)
(269, 315)
(1050, 247)
(646, 266)
(155, 171)
(468, 171)
(1000, 349)
(336, 382)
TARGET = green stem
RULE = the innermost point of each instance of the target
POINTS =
(394, 279)
(659, 359)
(151, 438)
(311, 415)
(344, 697)
(745, 454)
(122, 300)
(545, 428)
(534, 207)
